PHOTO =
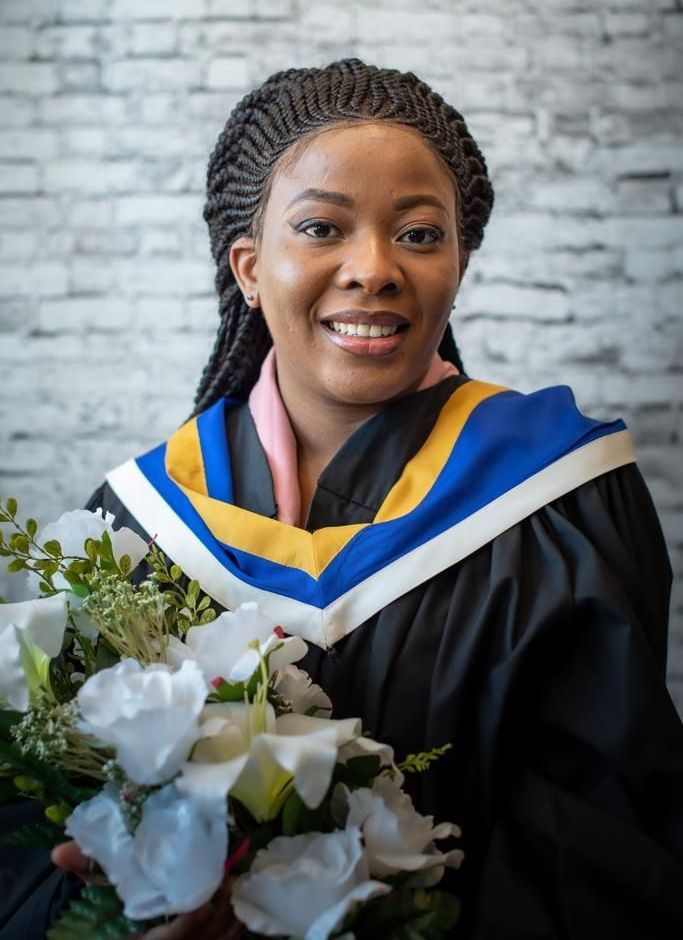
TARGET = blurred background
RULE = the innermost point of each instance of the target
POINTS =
(109, 110)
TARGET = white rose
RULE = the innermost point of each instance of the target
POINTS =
(150, 715)
(303, 886)
(71, 531)
(396, 837)
(221, 648)
(31, 633)
(172, 863)
(297, 687)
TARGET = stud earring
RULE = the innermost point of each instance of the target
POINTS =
(250, 296)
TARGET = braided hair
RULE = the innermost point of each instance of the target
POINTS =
(287, 108)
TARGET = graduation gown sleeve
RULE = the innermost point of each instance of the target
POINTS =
(587, 841)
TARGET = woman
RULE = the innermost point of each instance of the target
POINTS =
(469, 564)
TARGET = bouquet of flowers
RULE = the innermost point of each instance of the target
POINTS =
(177, 744)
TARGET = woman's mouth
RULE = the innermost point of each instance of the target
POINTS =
(365, 339)
(373, 330)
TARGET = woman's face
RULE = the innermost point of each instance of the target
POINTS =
(357, 264)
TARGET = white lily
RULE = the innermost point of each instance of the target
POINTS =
(304, 885)
(257, 758)
(396, 837)
(172, 863)
(231, 646)
(31, 633)
(150, 715)
(71, 531)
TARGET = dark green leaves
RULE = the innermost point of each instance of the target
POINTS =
(96, 915)
(407, 914)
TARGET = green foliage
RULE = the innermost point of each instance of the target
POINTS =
(55, 786)
(418, 763)
(406, 914)
(96, 915)
(297, 817)
(358, 771)
(184, 597)
(38, 835)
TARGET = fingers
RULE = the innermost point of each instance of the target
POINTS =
(68, 856)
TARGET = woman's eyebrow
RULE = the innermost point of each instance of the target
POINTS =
(340, 199)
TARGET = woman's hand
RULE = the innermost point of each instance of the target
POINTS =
(212, 921)
(69, 857)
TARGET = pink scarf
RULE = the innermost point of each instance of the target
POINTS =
(277, 438)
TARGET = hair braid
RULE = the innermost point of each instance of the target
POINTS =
(287, 108)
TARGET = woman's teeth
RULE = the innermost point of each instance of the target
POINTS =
(362, 329)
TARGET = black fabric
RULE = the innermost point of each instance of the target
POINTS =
(541, 659)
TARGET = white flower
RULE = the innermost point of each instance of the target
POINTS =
(297, 687)
(31, 633)
(71, 531)
(259, 759)
(363, 746)
(303, 886)
(149, 714)
(172, 863)
(221, 648)
(396, 837)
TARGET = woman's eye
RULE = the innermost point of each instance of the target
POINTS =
(424, 236)
(317, 229)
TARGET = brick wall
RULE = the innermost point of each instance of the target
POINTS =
(108, 111)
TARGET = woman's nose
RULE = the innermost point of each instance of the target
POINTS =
(371, 264)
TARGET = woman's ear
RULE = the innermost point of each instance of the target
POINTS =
(243, 259)
(463, 261)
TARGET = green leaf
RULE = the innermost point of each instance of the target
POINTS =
(90, 547)
(359, 771)
(78, 586)
(207, 616)
(106, 548)
(31, 527)
(291, 814)
(230, 692)
(11, 505)
(96, 915)
(56, 784)
(203, 604)
(192, 593)
(52, 547)
(17, 565)
(105, 657)
(19, 542)
(80, 566)
(125, 564)
(406, 914)
(38, 835)
(176, 572)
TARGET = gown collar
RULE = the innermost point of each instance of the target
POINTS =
(492, 457)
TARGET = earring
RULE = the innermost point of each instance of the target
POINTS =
(250, 296)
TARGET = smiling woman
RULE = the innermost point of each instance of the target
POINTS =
(470, 565)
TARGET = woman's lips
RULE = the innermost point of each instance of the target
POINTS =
(365, 345)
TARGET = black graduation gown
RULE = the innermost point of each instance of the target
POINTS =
(541, 658)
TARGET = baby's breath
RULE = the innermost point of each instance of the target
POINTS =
(130, 619)
(48, 731)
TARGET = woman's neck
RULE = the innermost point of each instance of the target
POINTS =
(321, 428)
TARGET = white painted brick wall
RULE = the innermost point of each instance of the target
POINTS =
(108, 112)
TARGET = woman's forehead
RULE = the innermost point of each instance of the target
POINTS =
(357, 156)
